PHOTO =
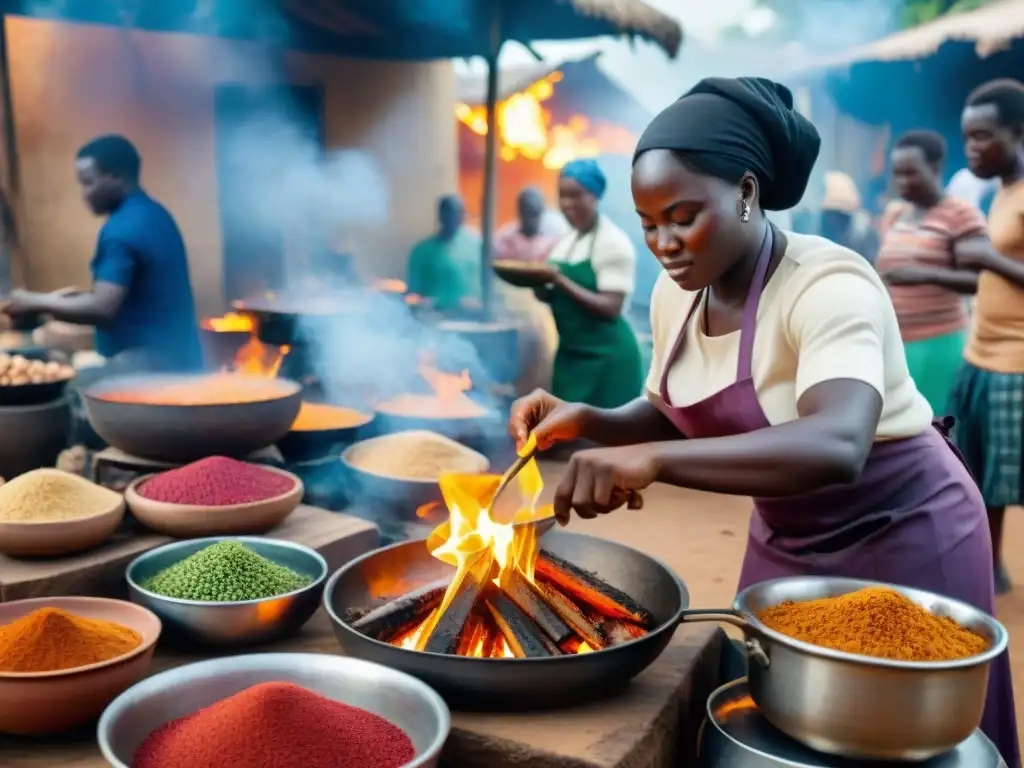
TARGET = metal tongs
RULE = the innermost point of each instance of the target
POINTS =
(543, 524)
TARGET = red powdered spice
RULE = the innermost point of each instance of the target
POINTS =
(277, 725)
(216, 482)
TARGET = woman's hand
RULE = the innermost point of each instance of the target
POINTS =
(551, 420)
(602, 480)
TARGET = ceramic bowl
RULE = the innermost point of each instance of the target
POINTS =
(247, 622)
(394, 695)
(59, 537)
(188, 521)
(51, 702)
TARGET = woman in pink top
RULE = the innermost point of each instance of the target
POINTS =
(922, 233)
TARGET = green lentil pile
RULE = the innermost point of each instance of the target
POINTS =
(226, 572)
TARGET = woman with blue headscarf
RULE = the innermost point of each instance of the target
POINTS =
(593, 271)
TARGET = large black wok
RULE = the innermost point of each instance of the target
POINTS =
(514, 684)
(183, 433)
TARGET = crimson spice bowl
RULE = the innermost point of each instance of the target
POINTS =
(400, 698)
(187, 521)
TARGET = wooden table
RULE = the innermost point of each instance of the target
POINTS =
(651, 724)
(100, 572)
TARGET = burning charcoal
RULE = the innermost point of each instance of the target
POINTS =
(492, 638)
(473, 635)
(524, 638)
(444, 638)
(588, 588)
(528, 598)
(401, 614)
(616, 632)
(574, 617)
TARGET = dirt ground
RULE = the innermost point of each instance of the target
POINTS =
(702, 537)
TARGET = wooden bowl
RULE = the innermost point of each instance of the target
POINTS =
(60, 537)
(190, 521)
(51, 702)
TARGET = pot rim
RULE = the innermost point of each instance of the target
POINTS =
(997, 632)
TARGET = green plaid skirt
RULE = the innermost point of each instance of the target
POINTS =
(989, 431)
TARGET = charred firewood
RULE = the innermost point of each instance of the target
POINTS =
(524, 638)
(398, 616)
(444, 637)
(588, 588)
(532, 603)
(570, 613)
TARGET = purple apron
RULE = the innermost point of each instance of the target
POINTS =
(914, 517)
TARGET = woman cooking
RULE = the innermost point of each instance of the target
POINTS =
(592, 272)
(778, 373)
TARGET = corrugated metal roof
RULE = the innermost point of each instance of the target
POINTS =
(991, 27)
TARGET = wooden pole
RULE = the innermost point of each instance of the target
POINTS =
(489, 204)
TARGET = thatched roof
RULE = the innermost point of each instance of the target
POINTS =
(635, 17)
(991, 28)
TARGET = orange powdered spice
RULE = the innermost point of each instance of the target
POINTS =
(50, 639)
(317, 416)
(878, 622)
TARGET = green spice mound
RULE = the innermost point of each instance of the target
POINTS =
(225, 572)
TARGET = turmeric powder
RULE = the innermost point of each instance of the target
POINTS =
(50, 639)
(878, 622)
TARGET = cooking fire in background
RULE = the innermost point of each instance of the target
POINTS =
(527, 129)
(509, 598)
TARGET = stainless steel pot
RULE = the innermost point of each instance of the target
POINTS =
(855, 706)
(736, 735)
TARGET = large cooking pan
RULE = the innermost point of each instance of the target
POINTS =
(183, 433)
(513, 684)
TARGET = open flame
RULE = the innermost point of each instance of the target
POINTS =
(254, 358)
(231, 322)
(258, 359)
(527, 129)
(484, 549)
(448, 398)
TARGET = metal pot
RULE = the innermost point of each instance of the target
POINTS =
(855, 706)
(183, 433)
(32, 436)
(736, 735)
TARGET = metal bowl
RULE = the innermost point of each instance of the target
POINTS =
(395, 696)
(223, 624)
(184, 433)
(512, 684)
(856, 706)
(736, 734)
(312, 444)
(397, 496)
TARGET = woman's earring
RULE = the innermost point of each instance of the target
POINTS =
(744, 211)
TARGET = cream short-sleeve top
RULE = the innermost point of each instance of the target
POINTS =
(825, 314)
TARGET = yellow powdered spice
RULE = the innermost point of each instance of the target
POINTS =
(414, 456)
(878, 622)
(49, 495)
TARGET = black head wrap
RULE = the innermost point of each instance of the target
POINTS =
(728, 126)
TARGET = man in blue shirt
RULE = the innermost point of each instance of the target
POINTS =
(141, 299)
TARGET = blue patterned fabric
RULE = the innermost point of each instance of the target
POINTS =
(989, 431)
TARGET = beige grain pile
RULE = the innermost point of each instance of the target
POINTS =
(49, 495)
(415, 456)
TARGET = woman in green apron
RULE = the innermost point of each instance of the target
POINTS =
(593, 270)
